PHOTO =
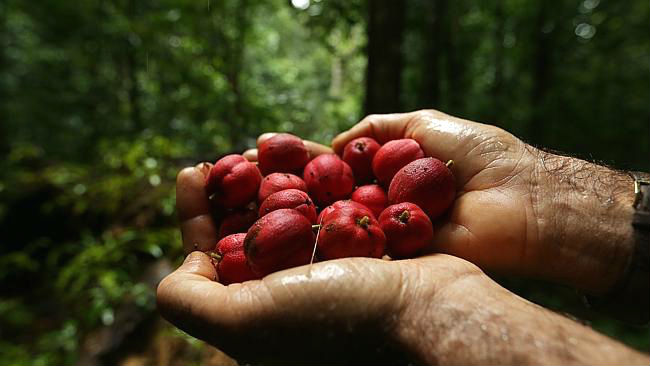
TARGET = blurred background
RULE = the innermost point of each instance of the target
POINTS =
(103, 101)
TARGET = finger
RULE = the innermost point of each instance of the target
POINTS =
(250, 155)
(381, 127)
(314, 148)
(198, 229)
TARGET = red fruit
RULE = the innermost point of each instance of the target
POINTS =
(234, 181)
(232, 266)
(342, 204)
(394, 155)
(290, 198)
(426, 182)
(328, 179)
(238, 221)
(407, 228)
(284, 153)
(279, 240)
(372, 196)
(350, 232)
(358, 153)
(277, 182)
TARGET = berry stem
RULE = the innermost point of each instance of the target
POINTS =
(215, 256)
(449, 163)
(315, 227)
(405, 216)
(364, 221)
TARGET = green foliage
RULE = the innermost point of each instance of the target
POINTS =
(102, 102)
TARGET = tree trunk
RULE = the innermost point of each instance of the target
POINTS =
(132, 75)
(455, 63)
(238, 125)
(541, 74)
(429, 93)
(497, 84)
(384, 70)
(4, 69)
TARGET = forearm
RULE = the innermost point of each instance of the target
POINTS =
(478, 322)
(585, 222)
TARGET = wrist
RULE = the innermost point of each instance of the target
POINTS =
(473, 320)
(585, 214)
(438, 304)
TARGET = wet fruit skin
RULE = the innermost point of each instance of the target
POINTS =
(407, 229)
(341, 204)
(392, 156)
(276, 182)
(234, 181)
(359, 153)
(231, 261)
(329, 179)
(350, 232)
(426, 182)
(372, 196)
(290, 198)
(238, 220)
(282, 153)
(281, 239)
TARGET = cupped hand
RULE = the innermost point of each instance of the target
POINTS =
(519, 210)
(494, 221)
(343, 311)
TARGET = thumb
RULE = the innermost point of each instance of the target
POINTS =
(198, 264)
(181, 296)
(381, 127)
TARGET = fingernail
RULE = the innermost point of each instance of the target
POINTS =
(195, 256)
(204, 168)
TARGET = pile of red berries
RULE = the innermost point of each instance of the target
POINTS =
(270, 213)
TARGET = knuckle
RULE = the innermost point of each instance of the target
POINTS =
(424, 114)
(371, 119)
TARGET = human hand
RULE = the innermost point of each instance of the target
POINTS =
(360, 309)
(519, 210)
(342, 311)
(436, 309)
